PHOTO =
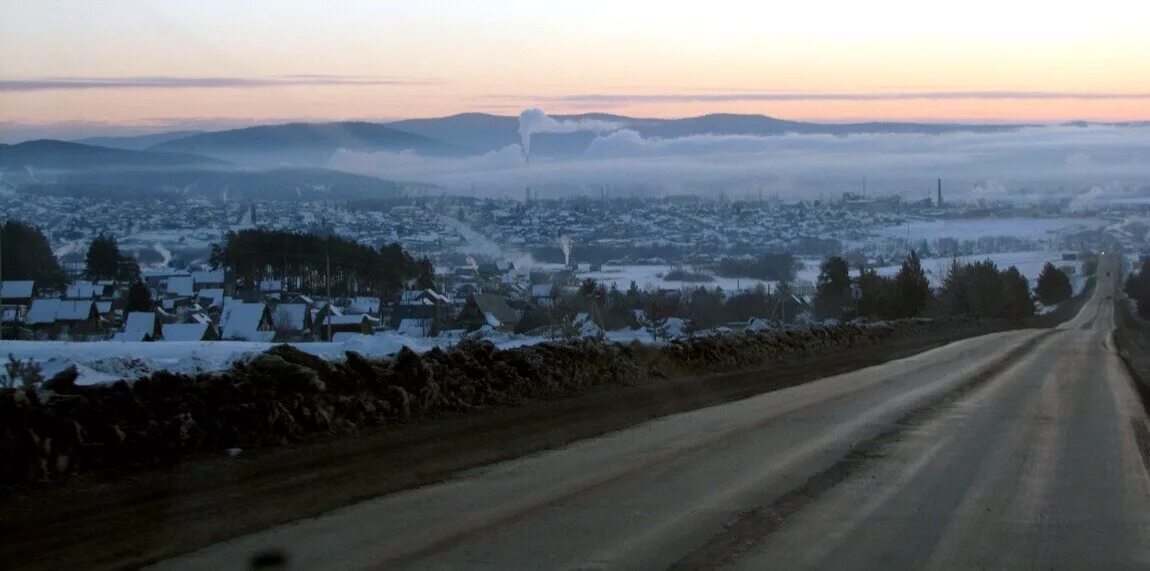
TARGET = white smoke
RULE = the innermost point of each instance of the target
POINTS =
(565, 244)
(471, 264)
(165, 254)
(995, 165)
(534, 120)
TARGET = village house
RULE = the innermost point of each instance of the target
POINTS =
(17, 292)
(246, 322)
(190, 332)
(293, 322)
(335, 325)
(63, 319)
(487, 310)
(140, 326)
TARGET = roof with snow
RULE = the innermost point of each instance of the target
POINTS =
(292, 316)
(270, 285)
(348, 319)
(214, 295)
(45, 311)
(413, 327)
(42, 311)
(130, 336)
(208, 277)
(16, 289)
(245, 321)
(185, 331)
(140, 323)
(83, 290)
(75, 310)
(494, 306)
(181, 285)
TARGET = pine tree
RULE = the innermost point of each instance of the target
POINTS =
(139, 298)
(27, 255)
(426, 278)
(105, 262)
(1053, 286)
(833, 293)
(1017, 303)
(912, 288)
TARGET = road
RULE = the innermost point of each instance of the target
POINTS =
(1017, 449)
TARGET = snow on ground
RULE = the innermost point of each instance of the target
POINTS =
(975, 228)
(651, 277)
(1030, 264)
(107, 361)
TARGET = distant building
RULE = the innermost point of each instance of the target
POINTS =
(190, 332)
(487, 309)
(246, 322)
(140, 326)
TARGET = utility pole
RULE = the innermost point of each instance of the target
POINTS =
(327, 281)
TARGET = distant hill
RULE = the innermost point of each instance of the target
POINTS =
(303, 144)
(46, 154)
(136, 142)
(59, 167)
(481, 132)
(273, 184)
(312, 144)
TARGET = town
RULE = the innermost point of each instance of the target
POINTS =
(508, 269)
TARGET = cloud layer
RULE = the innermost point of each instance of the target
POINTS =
(160, 82)
(1041, 159)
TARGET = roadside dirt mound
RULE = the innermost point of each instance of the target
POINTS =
(285, 395)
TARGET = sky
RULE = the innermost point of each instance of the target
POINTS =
(82, 68)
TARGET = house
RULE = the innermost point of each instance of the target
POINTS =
(270, 285)
(180, 286)
(140, 326)
(86, 290)
(208, 279)
(414, 327)
(487, 309)
(63, 318)
(17, 292)
(246, 322)
(211, 297)
(292, 322)
(354, 324)
(541, 294)
(190, 332)
(362, 304)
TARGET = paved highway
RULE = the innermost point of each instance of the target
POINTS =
(1017, 449)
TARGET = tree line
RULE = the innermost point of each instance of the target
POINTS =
(305, 263)
(978, 289)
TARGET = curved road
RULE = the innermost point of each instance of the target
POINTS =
(1017, 449)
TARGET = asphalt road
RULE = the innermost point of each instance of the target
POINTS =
(1016, 449)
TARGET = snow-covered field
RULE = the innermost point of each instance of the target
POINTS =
(975, 228)
(651, 277)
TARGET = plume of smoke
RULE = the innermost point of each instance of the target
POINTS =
(565, 245)
(165, 254)
(534, 120)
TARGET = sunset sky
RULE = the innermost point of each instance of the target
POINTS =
(81, 67)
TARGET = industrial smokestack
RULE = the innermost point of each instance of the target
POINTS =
(534, 120)
(940, 193)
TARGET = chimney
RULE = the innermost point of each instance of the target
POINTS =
(940, 193)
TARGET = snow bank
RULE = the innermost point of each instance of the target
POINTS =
(107, 361)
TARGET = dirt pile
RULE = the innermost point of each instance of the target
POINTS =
(285, 395)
